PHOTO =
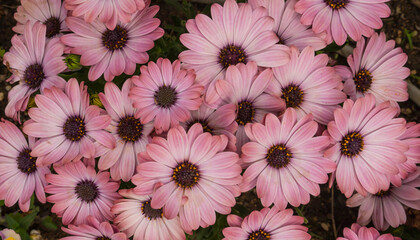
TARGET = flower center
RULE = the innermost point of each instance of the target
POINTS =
(74, 128)
(292, 95)
(115, 39)
(383, 193)
(53, 27)
(103, 238)
(336, 4)
(150, 212)
(246, 113)
(203, 123)
(34, 74)
(259, 235)
(25, 162)
(278, 156)
(363, 80)
(352, 144)
(231, 55)
(87, 190)
(186, 174)
(130, 129)
(165, 96)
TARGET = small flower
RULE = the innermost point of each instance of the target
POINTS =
(190, 174)
(269, 223)
(285, 160)
(137, 218)
(386, 208)
(77, 191)
(358, 232)
(165, 93)
(339, 18)
(19, 175)
(366, 145)
(376, 67)
(68, 127)
(9, 234)
(93, 230)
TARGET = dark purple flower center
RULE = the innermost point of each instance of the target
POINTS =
(203, 123)
(259, 235)
(278, 156)
(363, 80)
(33, 76)
(186, 174)
(150, 212)
(336, 4)
(246, 113)
(115, 39)
(74, 128)
(352, 144)
(25, 162)
(130, 129)
(383, 193)
(231, 55)
(292, 95)
(53, 27)
(165, 96)
(87, 190)
(103, 238)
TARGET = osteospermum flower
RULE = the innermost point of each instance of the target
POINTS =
(68, 127)
(235, 34)
(285, 160)
(78, 191)
(365, 147)
(386, 208)
(269, 223)
(358, 232)
(93, 230)
(215, 121)
(112, 52)
(19, 176)
(376, 67)
(191, 175)
(339, 18)
(308, 85)
(108, 12)
(132, 136)
(35, 63)
(245, 88)
(137, 218)
(287, 24)
(165, 93)
(49, 12)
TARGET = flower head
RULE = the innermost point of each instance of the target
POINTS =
(9, 234)
(93, 230)
(358, 232)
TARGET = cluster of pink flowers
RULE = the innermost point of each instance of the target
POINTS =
(248, 105)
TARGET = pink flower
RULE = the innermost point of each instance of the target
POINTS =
(109, 12)
(365, 147)
(215, 121)
(235, 34)
(269, 223)
(132, 136)
(287, 24)
(190, 175)
(9, 234)
(245, 87)
(49, 12)
(358, 232)
(93, 230)
(308, 85)
(135, 216)
(386, 208)
(339, 18)
(376, 67)
(112, 52)
(68, 127)
(285, 160)
(19, 176)
(35, 63)
(78, 191)
(165, 93)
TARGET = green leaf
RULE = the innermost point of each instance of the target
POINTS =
(11, 222)
(48, 223)
(2, 52)
(1, 203)
(23, 234)
(28, 219)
